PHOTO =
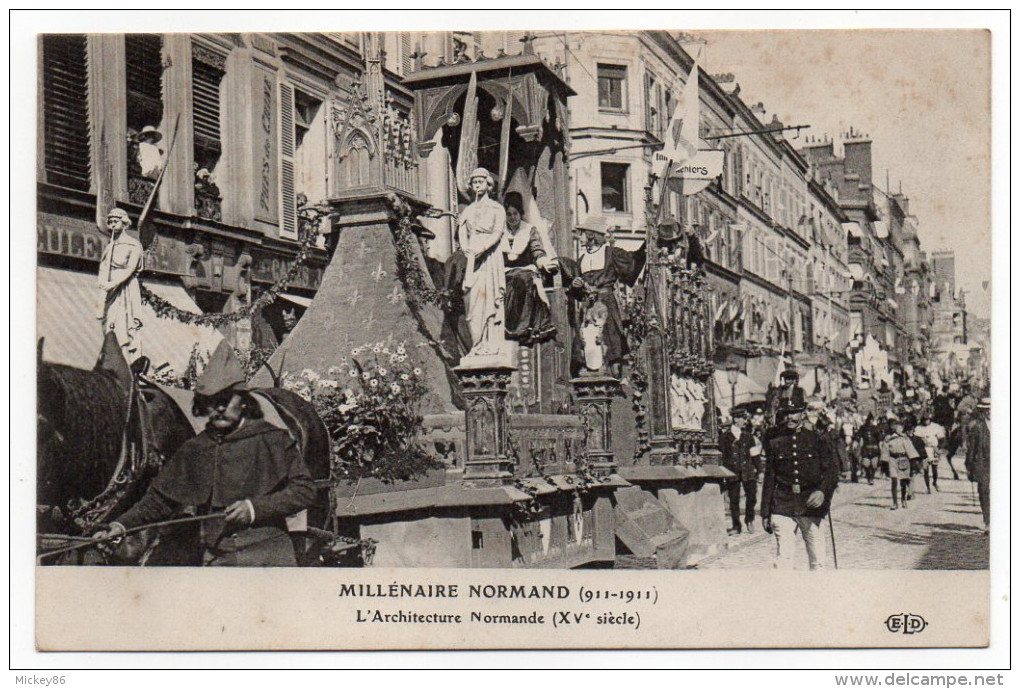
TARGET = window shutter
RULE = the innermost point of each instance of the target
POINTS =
(65, 116)
(288, 197)
(143, 59)
(515, 42)
(406, 63)
(649, 101)
(205, 82)
(771, 261)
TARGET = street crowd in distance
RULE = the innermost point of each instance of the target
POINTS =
(798, 450)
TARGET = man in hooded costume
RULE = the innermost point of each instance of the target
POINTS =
(241, 466)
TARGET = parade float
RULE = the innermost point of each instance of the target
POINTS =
(464, 440)
(529, 453)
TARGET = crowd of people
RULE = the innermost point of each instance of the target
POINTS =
(802, 446)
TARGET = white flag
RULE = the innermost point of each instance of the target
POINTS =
(467, 154)
(682, 132)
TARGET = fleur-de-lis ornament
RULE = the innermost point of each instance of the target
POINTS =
(378, 274)
(396, 296)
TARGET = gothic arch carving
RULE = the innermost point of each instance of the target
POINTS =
(529, 105)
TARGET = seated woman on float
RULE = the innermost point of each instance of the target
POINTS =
(526, 255)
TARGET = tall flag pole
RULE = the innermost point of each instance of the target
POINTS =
(104, 182)
(146, 232)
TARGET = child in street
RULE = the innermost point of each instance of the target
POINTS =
(898, 451)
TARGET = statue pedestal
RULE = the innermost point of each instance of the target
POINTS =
(594, 395)
(484, 388)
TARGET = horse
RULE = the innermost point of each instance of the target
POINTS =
(104, 434)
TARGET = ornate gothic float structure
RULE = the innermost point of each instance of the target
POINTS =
(545, 465)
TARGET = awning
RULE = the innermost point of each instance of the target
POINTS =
(746, 390)
(734, 310)
(719, 312)
(67, 301)
(856, 271)
(303, 302)
(854, 229)
(881, 229)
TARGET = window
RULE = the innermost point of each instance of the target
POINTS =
(302, 154)
(144, 66)
(614, 188)
(144, 70)
(667, 111)
(206, 76)
(65, 112)
(612, 84)
(514, 41)
(651, 105)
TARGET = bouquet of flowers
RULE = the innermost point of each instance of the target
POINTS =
(370, 405)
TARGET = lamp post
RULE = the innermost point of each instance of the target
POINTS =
(732, 375)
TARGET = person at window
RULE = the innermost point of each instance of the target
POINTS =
(240, 466)
(528, 318)
(593, 279)
(150, 154)
(121, 301)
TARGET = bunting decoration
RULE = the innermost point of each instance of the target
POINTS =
(165, 309)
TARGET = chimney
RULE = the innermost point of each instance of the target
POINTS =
(857, 154)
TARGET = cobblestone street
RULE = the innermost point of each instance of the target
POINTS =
(937, 531)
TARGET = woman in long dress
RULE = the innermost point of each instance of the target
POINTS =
(528, 318)
(480, 228)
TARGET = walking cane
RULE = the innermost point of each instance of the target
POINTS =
(832, 535)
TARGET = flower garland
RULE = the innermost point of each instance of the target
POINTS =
(309, 218)
(409, 269)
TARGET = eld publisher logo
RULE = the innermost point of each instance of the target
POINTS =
(905, 623)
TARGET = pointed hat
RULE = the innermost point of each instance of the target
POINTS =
(223, 372)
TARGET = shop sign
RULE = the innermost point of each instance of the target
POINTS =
(78, 238)
(66, 236)
(272, 268)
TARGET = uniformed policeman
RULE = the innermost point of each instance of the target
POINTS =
(801, 475)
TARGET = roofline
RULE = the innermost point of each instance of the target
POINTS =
(460, 69)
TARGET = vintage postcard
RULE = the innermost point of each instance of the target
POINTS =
(531, 339)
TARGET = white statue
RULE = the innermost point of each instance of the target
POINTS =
(121, 300)
(480, 228)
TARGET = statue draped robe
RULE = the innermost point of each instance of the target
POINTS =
(480, 228)
(121, 300)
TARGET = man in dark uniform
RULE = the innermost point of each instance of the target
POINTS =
(738, 446)
(801, 475)
(789, 390)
